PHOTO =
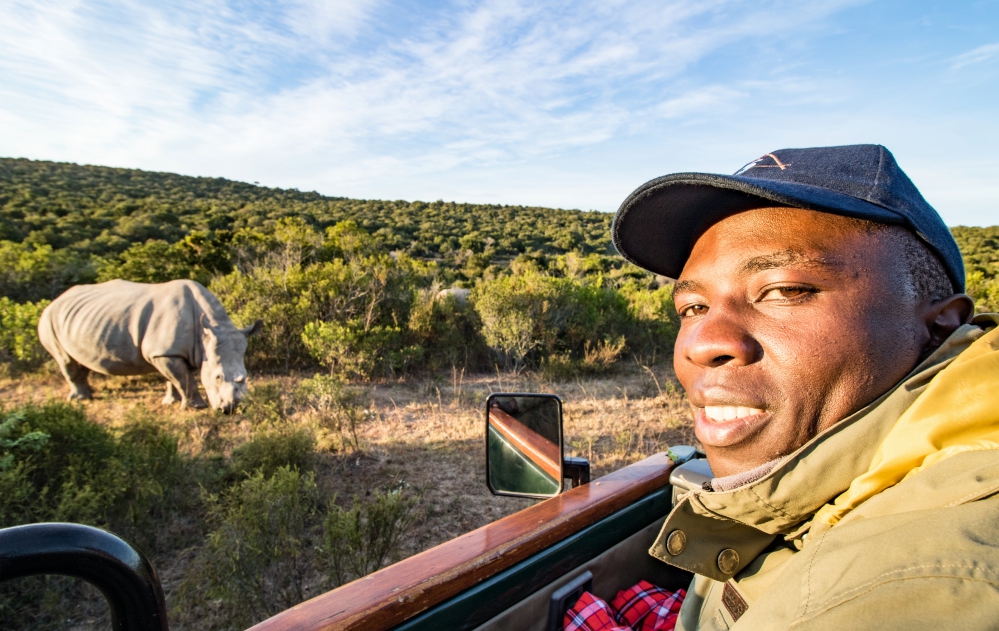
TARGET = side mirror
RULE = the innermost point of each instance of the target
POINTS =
(524, 447)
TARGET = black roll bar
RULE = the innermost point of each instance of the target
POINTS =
(122, 573)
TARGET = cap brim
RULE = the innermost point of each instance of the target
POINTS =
(657, 225)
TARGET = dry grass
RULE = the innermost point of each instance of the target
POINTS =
(428, 433)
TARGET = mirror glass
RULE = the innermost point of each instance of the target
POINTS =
(524, 444)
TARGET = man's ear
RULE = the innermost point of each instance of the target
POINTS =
(944, 316)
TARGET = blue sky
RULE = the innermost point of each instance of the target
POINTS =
(565, 104)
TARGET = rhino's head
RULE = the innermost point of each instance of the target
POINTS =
(223, 373)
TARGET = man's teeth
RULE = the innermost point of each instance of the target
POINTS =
(729, 412)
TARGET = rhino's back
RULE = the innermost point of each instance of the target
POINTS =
(117, 326)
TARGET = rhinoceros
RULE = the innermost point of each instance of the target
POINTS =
(125, 328)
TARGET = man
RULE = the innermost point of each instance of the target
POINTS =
(843, 391)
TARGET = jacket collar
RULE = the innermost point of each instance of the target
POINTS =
(740, 523)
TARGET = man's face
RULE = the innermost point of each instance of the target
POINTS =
(790, 321)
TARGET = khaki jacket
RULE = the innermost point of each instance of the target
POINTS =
(887, 520)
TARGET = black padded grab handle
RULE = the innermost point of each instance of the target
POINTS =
(122, 573)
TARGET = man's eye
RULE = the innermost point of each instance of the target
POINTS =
(786, 293)
(693, 310)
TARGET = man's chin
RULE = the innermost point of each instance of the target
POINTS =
(727, 433)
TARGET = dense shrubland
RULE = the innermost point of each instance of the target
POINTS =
(267, 534)
(351, 285)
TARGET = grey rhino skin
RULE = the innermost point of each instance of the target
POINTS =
(459, 294)
(125, 328)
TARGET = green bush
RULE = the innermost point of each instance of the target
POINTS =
(274, 543)
(336, 408)
(154, 261)
(30, 272)
(351, 295)
(76, 474)
(360, 539)
(275, 442)
(270, 449)
(352, 351)
(258, 554)
(534, 317)
(521, 314)
(656, 323)
(157, 481)
(447, 332)
(56, 465)
(19, 345)
(264, 405)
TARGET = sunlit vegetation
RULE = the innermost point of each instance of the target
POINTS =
(352, 286)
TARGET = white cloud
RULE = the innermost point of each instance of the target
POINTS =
(976, 55)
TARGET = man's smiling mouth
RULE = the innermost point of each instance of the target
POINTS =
(728, 425)
(729, 412)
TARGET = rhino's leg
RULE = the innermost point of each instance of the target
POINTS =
(76, 374)
(182, 379)
(172, 394)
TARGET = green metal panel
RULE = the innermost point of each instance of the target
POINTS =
(513, 472)
(494, 595)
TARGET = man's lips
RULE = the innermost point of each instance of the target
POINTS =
(727, 425)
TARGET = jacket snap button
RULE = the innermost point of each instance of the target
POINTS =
(728, 560)
(676, 542)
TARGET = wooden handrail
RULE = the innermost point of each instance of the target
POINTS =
(536, 447)
(390, 596)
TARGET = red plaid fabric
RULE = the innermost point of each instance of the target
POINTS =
(654, 608)
(591, 614)
(648, 607)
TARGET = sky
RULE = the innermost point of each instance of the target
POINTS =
(565, 104)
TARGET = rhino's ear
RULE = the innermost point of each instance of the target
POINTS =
(253, 329)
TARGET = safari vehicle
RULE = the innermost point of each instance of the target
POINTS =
(520, 572)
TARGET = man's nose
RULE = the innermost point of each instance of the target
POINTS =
(719, 339)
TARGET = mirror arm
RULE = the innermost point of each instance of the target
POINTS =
(577, 470)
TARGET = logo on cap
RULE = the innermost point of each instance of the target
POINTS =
(762, 163)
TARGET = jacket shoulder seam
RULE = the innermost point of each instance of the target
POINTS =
(975, 495)
(808, 576)
(887, 577)
(872, 586)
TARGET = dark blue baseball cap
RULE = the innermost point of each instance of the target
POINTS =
(657, 225)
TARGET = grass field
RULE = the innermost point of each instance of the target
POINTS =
(426, 433)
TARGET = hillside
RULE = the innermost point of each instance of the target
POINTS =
(351, 285)
(94, 214)
(99, 212)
